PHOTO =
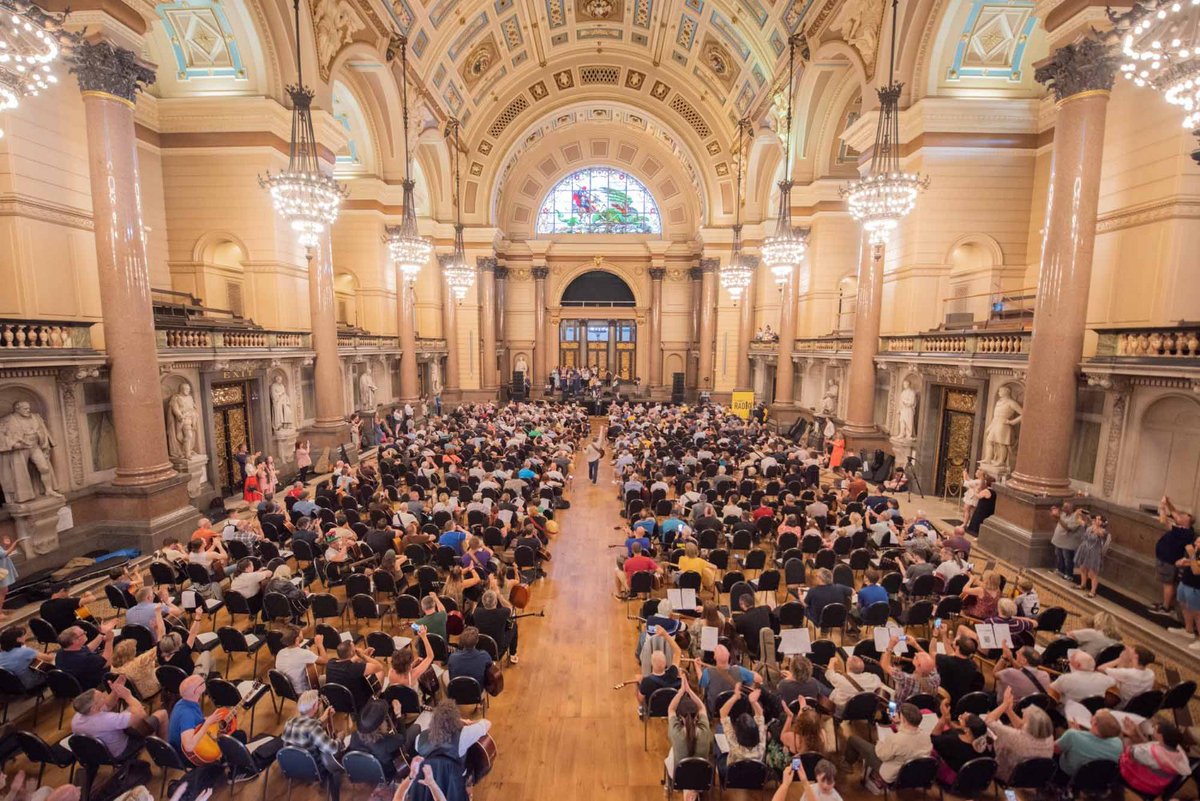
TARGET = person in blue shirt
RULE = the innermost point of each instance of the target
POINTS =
(469, 660)
(670, 527)
(526, 473)
(631, 539)
(870, 593)
(19, 659)
(453, 538)
(187, 713)
(645, 525)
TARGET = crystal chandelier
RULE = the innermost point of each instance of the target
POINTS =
(302, 194)
(738, 273)
(30, 41)
(460, 276)
(886, 195)
(1160, 40)
(785, 250)
(409, 250)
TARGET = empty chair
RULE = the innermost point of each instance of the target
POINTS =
(1030, 774)
(363, 768)
(974, 777)
(242, 764)
(465, 691)
(1095, 779)
(235, 642)
(40, 752)
(656, 707)
(297, 765)
(915, 774)
(692, 773)
(12, 689)
(791, 615)
(746, 774)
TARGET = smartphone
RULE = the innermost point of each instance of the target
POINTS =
(796, 764)
(891, 708)
(1010, 794)
(903, 638)
(416, 627)
(937, 622)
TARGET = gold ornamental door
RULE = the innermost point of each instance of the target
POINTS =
(954, 441)
(231, 430)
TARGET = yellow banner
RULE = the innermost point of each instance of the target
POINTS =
(742, 404)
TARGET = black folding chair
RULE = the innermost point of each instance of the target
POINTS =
(656, 707)
(915, 774)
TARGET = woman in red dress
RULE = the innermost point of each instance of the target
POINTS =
(839, 450)
(252, 490)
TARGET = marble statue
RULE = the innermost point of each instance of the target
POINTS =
(998, 438)
(829, 402)
(906, 427)
(25, 440)
(366, 389)
(183, 422)
(435, 376)
(522, 366)
(281, 405)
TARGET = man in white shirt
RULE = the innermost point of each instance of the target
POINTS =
(248, 583)
(1131, 671)
(293, 661)
(849, 680)
(1082, 682)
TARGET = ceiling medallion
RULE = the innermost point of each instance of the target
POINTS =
(599, 9)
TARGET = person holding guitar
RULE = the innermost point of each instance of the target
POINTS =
(190, 732)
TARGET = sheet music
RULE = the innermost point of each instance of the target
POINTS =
(708, 638)
(188, 600)
(1003, 634)
(1076, 712)
(722, 742)
(682, 599)
(795, 641)
(246, 688)
(346, 636)
(401, 642)
(206, 637)
(986, 633)
(884, 634)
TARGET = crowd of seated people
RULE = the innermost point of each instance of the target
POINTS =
(918, 666)
(388, 590)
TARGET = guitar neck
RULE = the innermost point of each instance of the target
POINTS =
(528, 614)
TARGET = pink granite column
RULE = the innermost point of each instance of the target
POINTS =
(785, 368)
(487, 322)
(695, 277)
(746, 328)
(501, 332)
(451, 381)
(541, 346)
(110, 78)
(860, 404)
(406, 319)
(657, 274)
(708, 322)
(1081, 76)
(328, 384)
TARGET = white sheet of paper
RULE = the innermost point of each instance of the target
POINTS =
(1003, 634)
(722, 742)
(795, 641)
(211, 603)
(205, 637)
(987, 636)
(347, 636)
(245, 688)
(1076, 712)
(708, 638)
(401, 642)
(884, 634)
(188, 600)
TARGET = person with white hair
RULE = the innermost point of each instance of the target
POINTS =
(1083, 681)
(1027, 735)
(306, 731)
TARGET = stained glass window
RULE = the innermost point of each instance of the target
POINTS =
(599, 200)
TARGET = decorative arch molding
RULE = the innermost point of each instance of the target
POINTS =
(827, 128)
(204, 250)
(980, 240)
(360, 114)
(626, 274)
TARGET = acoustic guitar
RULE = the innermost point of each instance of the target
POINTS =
(205, 750)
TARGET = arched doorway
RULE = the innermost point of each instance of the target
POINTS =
(595, 330)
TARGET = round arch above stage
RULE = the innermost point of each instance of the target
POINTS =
(631, 277)
(600, 287)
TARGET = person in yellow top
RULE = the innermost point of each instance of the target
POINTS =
(693, 562)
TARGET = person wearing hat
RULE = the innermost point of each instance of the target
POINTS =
(375, 735)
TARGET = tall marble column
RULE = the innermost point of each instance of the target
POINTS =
(746, 328)
(708, 322)
(407, 322)
(785, 368)
(110, 78)
(541, 346)
(657, 274)
(501, 332)
(451, 381)
(487, 322)
(860, 404)
(1081, 76)
(695, 278)
(328, 387)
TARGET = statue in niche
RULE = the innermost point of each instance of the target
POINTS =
(435, 376)
(829, 402)
(906, 426)
(281, 405)
(366, 389)
(999, 438)
(25, 441)
(183, 422)
(522, 366)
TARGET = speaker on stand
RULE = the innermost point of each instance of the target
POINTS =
(677, 388)
(518, 386)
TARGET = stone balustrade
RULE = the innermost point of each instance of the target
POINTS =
(19, 337)
(968, 343)
(833, 343)
(431, 345)
(1156, 342)
(362, 341)
(230, 339)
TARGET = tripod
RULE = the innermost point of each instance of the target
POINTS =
(913, 469)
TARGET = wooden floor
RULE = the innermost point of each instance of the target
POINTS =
(564, 733)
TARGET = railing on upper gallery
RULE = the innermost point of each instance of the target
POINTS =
(430, 345)
(837, 342)
(1181, 341)
(1012, 343)
(22, 337)
(213, 338)
(356, 339)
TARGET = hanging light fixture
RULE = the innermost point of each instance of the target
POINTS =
(409, 250)
(30, 41)
(1160, 40)
(785, 250)
(737, 274)
(303, 195)
(886, 195)
(460, 276)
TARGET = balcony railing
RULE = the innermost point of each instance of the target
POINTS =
(967, 344)
(365, 341)
(31, 337)
(199, 339)
(831, 343)
(1155, 342)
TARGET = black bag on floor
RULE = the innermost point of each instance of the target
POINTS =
(136, 773)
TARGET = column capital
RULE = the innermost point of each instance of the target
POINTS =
(695, 273)
(501, 273)
(658, 273)
(102, 67)
(709, 265)
(486, 264)
(1088, 65)
(540, 273)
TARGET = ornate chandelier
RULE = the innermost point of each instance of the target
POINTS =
(303, 195)
(409, 250)
(785, 250)
(1160, 40)
(460, 276)
(30, 41)
(738, 273)
(886, 194)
